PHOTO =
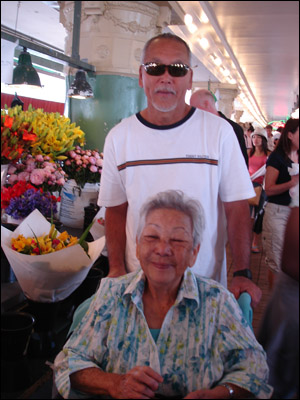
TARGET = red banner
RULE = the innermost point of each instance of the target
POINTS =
(47, 106)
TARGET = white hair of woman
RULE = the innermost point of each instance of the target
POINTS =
(175, 200)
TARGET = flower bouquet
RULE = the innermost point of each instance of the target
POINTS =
(15, 138)
(37, 132)
(20, 199)
(39, 171)
(84, 166)
(47, 276)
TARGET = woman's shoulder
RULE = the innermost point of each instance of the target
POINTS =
(277, 159)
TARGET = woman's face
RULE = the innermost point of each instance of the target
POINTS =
(257, 140)
(165, 248)
(294, 138)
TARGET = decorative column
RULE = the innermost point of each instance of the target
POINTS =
(112, 36)
(238, 115)
(225, 100)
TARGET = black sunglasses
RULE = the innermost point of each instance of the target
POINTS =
(175, 70)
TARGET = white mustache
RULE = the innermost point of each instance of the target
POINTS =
(165, 89)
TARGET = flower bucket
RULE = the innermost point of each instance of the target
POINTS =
(16, 329)
(73, 201)
(4, 168)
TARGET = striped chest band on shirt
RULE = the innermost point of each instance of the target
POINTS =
(167, 161)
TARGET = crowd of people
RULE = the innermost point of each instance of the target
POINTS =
(175, 186)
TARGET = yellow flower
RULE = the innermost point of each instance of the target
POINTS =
(21, 242)
(55, 133)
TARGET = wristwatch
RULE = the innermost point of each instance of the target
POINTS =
(229, 388)
(243, 272)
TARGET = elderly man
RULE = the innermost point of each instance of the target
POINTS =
(204, 100)
(171, 145)
(163, 332)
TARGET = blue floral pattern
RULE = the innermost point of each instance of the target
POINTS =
(204, 339)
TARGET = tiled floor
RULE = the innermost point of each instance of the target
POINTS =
(42, 386)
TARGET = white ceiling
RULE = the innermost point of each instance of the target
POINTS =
(262, 36)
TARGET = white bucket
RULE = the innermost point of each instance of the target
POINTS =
(74, 199)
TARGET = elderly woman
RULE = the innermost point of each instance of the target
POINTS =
(163, 331)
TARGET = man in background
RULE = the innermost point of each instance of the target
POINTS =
(204, 100)
(269, 130)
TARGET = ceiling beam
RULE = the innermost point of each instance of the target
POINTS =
(23, 41)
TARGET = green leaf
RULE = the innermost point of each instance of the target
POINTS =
(37, 242)
(82, 241)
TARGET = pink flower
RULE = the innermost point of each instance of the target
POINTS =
(92, 160)
(78, 162)
(99, 162)
(60, 181)
(23, 176)
(12, 179)
(93, 168)
(11, 169)
(37, 176)
(68, 162)
(39, 158)
(72, 154)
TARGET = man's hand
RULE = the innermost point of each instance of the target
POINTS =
(240, 284)
(138, 383)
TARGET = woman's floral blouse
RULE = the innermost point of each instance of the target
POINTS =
(204, 339)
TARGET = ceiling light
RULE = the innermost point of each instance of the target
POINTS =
(188, 19)
(225, 72)
(24, 73)
(204, 18)
(216, 60)
(192, 28)
(80, 88)
(204, 43)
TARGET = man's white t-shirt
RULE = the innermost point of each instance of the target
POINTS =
(199, 155)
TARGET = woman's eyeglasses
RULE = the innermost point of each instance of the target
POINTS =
(175, 70)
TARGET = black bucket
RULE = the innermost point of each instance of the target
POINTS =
(16, 329)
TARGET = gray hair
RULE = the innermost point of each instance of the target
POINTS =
(175, 200)
(168, 36)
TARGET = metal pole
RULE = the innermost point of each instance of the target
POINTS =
(76, 30)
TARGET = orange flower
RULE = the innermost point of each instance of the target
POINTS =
(28, 136)
(8, 121)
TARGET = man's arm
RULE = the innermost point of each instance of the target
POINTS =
(240, 237)
(115, 234)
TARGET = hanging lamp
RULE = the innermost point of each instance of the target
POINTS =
(24, 73)
(80, 88)
(17, 102)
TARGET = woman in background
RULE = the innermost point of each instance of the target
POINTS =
(278, 183)
(257, 157)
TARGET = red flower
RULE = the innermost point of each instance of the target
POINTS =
(8, 121)
(8, 193)
(28, 136)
